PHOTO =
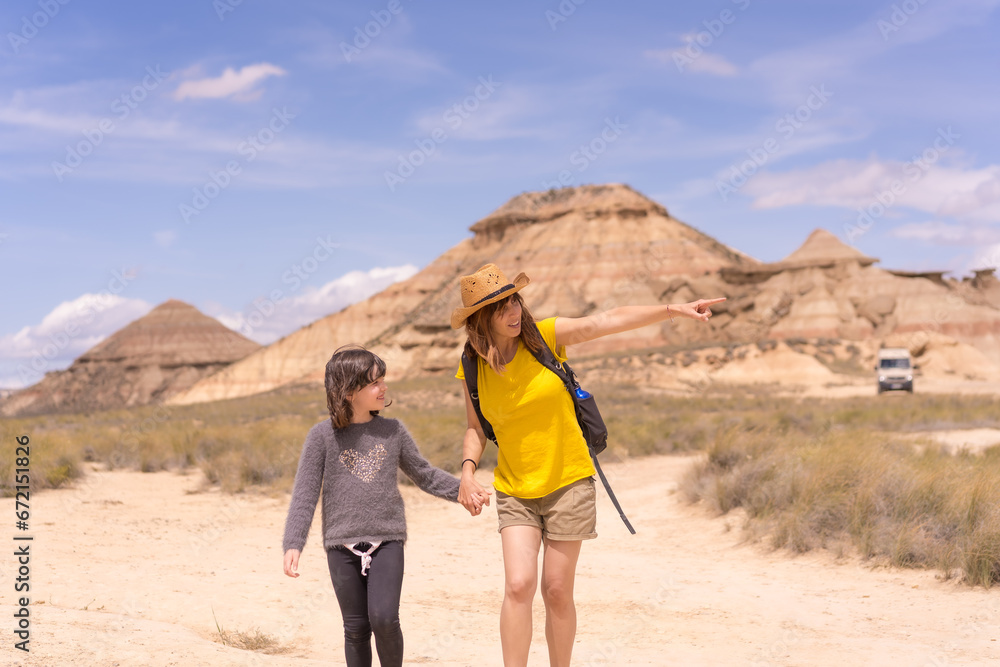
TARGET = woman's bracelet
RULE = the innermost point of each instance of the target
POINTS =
(475, 466)
(669, 313)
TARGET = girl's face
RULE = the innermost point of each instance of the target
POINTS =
(506, 321)
(368, 398)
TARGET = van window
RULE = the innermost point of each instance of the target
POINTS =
(894, 363)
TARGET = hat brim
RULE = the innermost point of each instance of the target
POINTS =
(459, 315)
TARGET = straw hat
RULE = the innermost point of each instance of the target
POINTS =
(486, 285)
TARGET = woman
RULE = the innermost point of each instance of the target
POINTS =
(543, 479)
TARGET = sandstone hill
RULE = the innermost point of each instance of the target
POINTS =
(826, 289)
(586, 249)
(153, 358)
(592, 248)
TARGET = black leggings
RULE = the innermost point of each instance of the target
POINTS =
(370, 604)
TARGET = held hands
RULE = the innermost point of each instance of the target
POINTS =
(471, 495)
(697, 310)
(292, 562)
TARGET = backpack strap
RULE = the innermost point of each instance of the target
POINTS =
(470, 367)
(611, 494)
(547, 359)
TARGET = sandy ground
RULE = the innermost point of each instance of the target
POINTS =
(135, 569)
(973, 440)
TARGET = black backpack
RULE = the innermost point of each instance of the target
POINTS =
(589, 417)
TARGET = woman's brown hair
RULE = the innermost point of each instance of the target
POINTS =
(350, 369)
(482, 342)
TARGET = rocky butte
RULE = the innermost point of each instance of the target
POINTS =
(586, 249)
(595, 247)
(147, 361)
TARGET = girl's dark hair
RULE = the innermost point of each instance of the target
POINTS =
(482, 343)
(350, 369)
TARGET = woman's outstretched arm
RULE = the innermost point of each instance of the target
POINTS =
(573, 330)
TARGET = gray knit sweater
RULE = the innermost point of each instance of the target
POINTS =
(356, 468)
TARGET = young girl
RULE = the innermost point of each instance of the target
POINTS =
(353, 457)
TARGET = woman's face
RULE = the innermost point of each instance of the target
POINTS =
(506, 320)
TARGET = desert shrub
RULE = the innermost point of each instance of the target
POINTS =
(910, 508)
(808, 473)
(54, 459)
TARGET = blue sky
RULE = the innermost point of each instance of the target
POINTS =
(233, 153)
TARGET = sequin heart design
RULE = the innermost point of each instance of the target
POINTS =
(364, 466)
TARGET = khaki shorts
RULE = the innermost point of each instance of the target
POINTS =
(566, 514)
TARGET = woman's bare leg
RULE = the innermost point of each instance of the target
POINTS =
(558, 576)
(520, 565)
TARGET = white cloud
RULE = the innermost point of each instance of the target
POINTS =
(688, 58)
(158, 147)
(840, 57)
(713, 63)
(238, 85)
(266, 324)
(16, 114)
(69, 330)
(970, 195)
(987, 257)
(165, 238)
(942, 233)
(489, 109)
(386, 54)
(400, 61)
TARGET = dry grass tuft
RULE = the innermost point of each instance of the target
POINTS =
(248, 640)
(910, 509)
(251, 640)
(808, 474)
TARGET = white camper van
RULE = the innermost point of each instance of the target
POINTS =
(894, 369)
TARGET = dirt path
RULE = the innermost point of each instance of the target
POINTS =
(129, 568)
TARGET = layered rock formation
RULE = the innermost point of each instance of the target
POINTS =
(585, 249)
(157, 356)
(592, 248)
(826, 289)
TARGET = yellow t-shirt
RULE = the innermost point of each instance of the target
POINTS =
(541, 445)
